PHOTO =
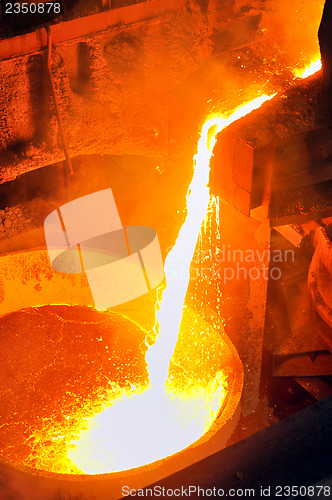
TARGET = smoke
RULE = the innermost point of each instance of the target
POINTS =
(293, 25)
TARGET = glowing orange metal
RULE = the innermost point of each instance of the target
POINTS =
(169, 419)
(309, 70)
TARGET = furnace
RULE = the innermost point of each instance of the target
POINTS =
(205, 121)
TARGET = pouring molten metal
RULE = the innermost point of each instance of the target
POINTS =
(82, 391)
(168, 416)
(309, 70)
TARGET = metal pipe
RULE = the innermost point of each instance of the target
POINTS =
(55, 100)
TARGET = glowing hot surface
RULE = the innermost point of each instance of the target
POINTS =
(168, 417)
(122, 405)
(309, 70)
(66, 369)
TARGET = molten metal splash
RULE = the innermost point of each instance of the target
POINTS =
(139, 425)
(164, 419)
(313, 67)
(148, 425)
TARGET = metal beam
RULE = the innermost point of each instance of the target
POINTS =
(82, 26)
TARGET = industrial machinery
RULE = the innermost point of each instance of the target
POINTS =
(206, 121)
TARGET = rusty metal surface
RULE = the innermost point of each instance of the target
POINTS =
(299, 186)
(320, 286)
(301, 169)
(300, 353)
(316, 386)
(75, 28)
(312, 364)
(231, 179)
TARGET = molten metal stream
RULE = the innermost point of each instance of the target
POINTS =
(164, 418)
(171, 309)
(309, 70)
